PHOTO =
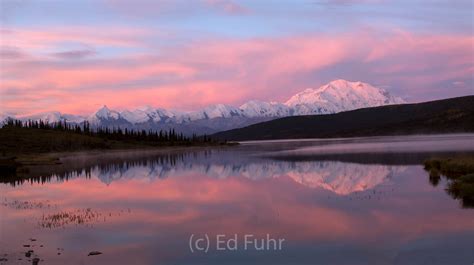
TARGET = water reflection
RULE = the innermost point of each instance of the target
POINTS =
(338, 177)
(341, 178)
(459, 178)
(142, 208)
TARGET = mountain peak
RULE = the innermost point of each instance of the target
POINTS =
(50, 116)
(146, 108)
(345, 84)
(221, 111)
(340, 95)
(340, 82)
(105, 113)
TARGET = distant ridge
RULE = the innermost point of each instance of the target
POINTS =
(453, 115)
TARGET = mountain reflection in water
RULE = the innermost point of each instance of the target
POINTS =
(334, 208)
(339, 177)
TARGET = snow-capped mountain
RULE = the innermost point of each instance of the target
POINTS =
(137, 116)
(340, 95)
(52, 116)
(102, 114)
(336, 96)
(209, 112)
(255, 108)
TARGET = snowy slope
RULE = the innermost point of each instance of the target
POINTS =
(52, 116)
(136, 116)
(221, 111)
(340, 95)
(210, 112)
(255, 108)
(104, 114)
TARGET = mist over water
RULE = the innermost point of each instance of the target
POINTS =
(344, 201)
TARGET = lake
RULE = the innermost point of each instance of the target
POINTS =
(339, 201)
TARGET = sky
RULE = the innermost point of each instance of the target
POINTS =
(76, 56)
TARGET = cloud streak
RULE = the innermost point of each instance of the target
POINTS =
(74, 54)
(211, 70)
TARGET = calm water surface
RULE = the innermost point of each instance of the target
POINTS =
(344, 201)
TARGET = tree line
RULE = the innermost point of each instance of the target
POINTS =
(114, 133)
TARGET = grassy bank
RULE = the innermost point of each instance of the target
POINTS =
(15, 140)
(22, 147)
(41, 168)
(460, 173)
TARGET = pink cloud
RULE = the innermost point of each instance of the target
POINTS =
(195, 74)
(109, 75)
(42, 38)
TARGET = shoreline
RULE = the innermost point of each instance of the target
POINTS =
(30, 165)
(322, 139)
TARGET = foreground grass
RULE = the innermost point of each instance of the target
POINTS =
(460, 173)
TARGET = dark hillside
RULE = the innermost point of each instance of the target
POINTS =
(453, 115)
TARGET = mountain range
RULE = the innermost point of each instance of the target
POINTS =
(336, 96)
(454, 115)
